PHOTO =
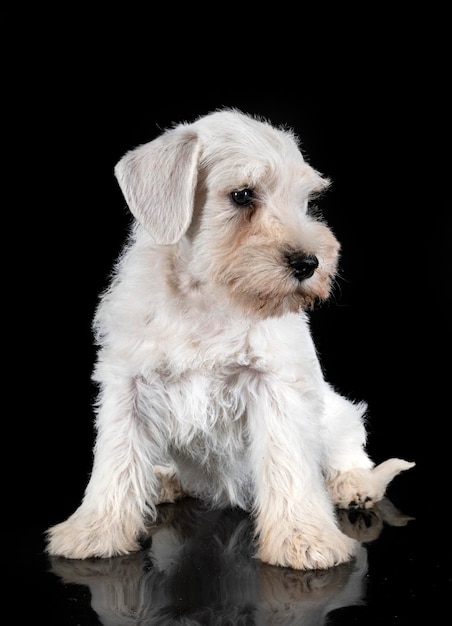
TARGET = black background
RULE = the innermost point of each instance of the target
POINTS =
(369, 104)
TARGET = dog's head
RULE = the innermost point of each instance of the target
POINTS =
(237, 189)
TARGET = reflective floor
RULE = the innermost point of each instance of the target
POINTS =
(197, 568)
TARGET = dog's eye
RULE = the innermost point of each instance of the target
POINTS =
(243, 197)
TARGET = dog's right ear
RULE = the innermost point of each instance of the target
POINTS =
(158, 181)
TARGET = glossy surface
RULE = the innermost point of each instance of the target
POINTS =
(197, 567)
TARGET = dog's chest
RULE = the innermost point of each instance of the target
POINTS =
(199, 412)
(205, 375)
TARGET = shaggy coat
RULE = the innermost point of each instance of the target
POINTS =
(209, 382)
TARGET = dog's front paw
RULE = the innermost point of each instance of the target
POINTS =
(362, 488)
(80, 539)
(300, 550)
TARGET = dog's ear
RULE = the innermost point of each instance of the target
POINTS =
(158, 181)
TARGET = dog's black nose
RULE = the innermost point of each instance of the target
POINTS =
(303, 265)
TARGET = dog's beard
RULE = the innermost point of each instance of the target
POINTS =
(258, 279)
(284, 294)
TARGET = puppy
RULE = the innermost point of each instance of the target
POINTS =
(209, 382)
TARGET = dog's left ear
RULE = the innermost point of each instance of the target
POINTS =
(158, 181)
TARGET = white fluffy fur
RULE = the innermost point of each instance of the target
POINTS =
(209, 382)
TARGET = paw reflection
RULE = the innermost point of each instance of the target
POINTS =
(198, 567)
(365, 525)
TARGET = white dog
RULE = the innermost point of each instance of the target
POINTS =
(209, 382)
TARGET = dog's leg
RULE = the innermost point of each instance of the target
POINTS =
(123, 487)
(352, 479)
(295, 518)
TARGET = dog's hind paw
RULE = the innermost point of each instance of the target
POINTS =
(361, 488)
(170, 488)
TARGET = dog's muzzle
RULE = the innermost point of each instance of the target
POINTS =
(303, 265)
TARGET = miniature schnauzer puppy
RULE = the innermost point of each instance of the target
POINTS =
(209, 383)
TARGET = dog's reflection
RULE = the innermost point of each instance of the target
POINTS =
(197, 568)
